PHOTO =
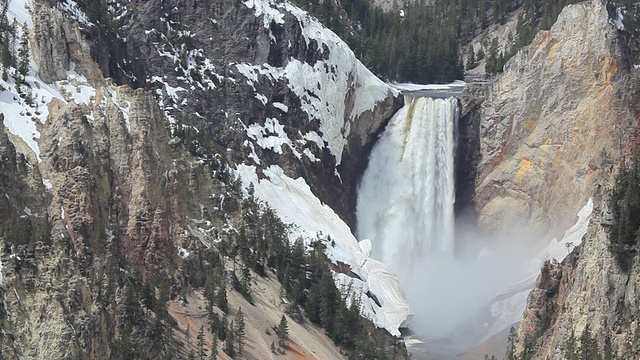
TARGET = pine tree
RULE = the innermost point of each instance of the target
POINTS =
(214, 347)
(202, 352)
(588, 345)
(23, 54)
(570, 352)
(511, 346)
(148, 298)
(282, 331)
(471, 60)
(229, 343)
(221, 300)
(608, 350)
(239, 330)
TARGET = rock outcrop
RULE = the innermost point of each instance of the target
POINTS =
(571, 98)
(550, 125)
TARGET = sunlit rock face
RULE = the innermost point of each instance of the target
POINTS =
(554, 128)
(547, 130)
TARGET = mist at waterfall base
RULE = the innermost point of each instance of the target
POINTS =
(405, 206)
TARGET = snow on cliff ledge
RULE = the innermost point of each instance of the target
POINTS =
(322, 88)
(294, 203)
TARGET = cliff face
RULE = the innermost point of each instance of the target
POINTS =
(585, 305)
(115, 193)
(552, 130)
(120, 153)
(223, 69)
(550, 124)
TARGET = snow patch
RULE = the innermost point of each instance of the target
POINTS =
(270, 136)
(573, 237)
(410, 87)
(72, 8)
(284, 108)
(20, 11)
(76, 87)
(47, 183)
(262, 98)
(310, 155)
(618, 22)
(313, 136)
(183, 253)
(294, 203)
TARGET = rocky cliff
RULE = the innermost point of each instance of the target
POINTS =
(122, 147)
(551, 131)
(550, 124)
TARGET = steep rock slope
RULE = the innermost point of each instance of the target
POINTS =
(550, 123)
(260, 77)
(544, 137)
(551, 130)
(587, 305)
(109, 188)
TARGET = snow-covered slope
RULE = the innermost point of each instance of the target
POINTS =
(322, 88)
(25, 103)
(294, 202)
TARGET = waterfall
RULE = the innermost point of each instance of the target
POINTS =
(406, 196)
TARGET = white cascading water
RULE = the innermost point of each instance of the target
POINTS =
(406, 197)
(405, 207)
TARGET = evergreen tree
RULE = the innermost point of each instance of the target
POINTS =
(214, 348)
(215, 323)
(570, 352)
(229, 342)
(148, 297)
(471, 60)
(202, 352)
(23, 56)
(608, 350)
(128, 344)
(282, 331)
(221, 299)
(6, 34)
(511, 346)
(239, 330)
(588, 345)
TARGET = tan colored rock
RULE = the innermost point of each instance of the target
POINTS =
(554, 152)
(547, 125)
(58, 45)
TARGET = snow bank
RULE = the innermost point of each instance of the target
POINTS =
(294, 203)
(456, 85)
(270, 136)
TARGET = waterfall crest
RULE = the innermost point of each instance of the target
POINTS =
(406, 196)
